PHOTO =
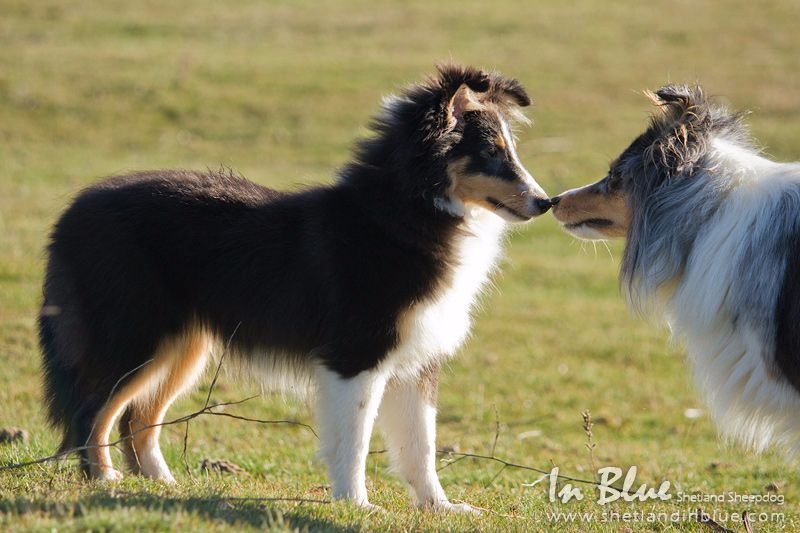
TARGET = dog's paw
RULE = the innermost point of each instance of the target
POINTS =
(107, 474)
(446, 506)
(164, 477)
(371, 507)
(361, 503)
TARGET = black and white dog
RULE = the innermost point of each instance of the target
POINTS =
(713, 246)
(359, 289)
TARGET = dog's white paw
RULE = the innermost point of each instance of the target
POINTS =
(164, 478)
(371, 507)
(158, 473)
(361, 503)
(108, 474)
(446, 506)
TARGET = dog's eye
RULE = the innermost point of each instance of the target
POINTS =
(492, 151)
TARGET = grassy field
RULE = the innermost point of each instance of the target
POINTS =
(279, 90)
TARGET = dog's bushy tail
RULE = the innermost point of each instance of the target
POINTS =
(71, 404)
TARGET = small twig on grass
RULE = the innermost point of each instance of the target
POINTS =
(509, 464)
(276, 499)
(748, 527)
(497, 475)
(245, 499)
(185, 446)
(460, 456)
(451, 463)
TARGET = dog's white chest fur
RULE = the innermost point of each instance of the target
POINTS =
(436, 328)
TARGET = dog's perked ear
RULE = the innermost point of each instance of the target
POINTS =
(463, 101)
(680, 128)
(680, 104)
(470, 89)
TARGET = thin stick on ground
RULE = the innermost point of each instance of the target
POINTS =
(509, 464)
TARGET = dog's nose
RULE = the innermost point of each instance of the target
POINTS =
(554, 200)
(543, 204)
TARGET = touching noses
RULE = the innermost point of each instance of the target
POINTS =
(544, 204)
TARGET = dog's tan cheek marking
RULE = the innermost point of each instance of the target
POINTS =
(584, 204)
(616, 209)
(474, 189)
(462, 186)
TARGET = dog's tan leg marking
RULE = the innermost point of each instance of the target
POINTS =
(187, 364)
(176, 365)
(99, 452)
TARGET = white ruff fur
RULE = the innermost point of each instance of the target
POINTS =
(440, 326)
(732, 357)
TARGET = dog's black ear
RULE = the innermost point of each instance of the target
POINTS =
(513, 89)
(452, 77)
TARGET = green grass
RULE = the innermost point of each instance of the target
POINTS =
(279, 90)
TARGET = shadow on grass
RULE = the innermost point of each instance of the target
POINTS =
(256, 512)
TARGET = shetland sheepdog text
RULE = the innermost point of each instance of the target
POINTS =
(356, 291)
(713, 247)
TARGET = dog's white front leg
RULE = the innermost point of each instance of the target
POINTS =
(346, 411)
(407, 417)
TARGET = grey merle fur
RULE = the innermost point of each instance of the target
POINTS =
(674, 193)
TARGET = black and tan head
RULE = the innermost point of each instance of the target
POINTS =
(670, 152)
(450, 141)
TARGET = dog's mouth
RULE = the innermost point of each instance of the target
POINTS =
(500, 205)
(591, 222)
